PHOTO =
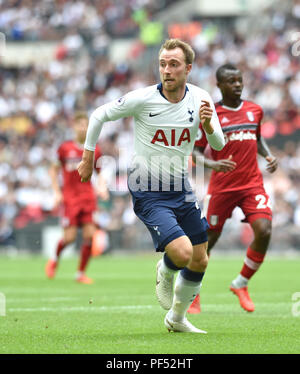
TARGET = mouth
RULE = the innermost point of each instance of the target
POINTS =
(237, 92)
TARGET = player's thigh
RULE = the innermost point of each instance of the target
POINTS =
(256, 205)
(218, 208)
(161, 222)
(70, 215)
(70, 233)
(86, 210)
(193, 223)
(88, 231)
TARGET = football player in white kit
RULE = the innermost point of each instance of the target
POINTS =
(166, 119)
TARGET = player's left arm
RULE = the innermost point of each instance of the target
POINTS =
(101, 188)
(211, 125)
(262, 147)
(264, 151)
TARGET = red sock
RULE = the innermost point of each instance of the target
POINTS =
(252, 262)
(60, 246)
(85, 255)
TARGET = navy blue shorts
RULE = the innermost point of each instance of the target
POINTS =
(169, 215)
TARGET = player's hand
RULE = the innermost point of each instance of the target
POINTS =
(103, 194)
(85, 170)
(86, 166)
(272, 164)
(205, 115)
(225, 165)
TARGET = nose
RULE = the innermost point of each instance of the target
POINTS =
(166, 69)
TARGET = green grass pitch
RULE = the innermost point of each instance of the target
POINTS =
(119, 313)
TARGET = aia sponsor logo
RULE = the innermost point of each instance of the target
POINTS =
(172, 140)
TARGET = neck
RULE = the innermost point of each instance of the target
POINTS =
(174, 96)
(79, 141)
(232, 103)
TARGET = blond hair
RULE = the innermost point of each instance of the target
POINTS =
(189, 54)
(80, 115)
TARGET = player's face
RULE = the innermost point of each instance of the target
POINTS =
(80, 128)
(231, 85)
(172, 69)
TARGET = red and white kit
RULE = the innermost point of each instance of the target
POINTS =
(79, 199)
(243, 186)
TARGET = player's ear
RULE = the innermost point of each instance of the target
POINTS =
(188, 68)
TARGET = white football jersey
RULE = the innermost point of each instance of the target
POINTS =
(164, 132)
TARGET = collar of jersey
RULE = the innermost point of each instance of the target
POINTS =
(160, 88)
(233, 109)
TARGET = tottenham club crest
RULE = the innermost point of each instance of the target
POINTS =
(190, 112)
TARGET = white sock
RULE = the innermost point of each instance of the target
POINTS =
(240, 282)
(54, 257)
(79, 274)
(165, 271)
(184, 294)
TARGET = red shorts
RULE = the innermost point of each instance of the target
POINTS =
(78, 214)
(254, 202)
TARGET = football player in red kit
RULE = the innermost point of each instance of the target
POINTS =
(78, 199)
(236, 180)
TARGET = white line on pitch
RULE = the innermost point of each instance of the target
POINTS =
(82, 308)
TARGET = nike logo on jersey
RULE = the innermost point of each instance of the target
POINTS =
(154, 114)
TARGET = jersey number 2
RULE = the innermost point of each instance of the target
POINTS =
(263, 202)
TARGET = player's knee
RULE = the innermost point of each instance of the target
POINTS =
(69, 238)
(87, 237)
(213, 237)
(264, 230)
(199, 263)
(180, 251)
(186, 255)
(183, 256)
(69, 241)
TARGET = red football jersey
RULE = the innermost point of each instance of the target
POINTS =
(241, 128)
(69, 154)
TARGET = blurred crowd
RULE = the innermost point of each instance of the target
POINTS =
(37, 103)
(55, 20)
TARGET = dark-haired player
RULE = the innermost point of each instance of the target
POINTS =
(78, 200)
(236, 180)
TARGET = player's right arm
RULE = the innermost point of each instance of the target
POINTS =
(224, 165)
(126, 106)
(54, 175)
